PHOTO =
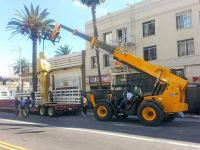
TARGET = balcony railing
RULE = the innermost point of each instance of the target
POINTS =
(125, 40)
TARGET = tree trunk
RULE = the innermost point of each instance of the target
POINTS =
(34, 63)
(96, 35)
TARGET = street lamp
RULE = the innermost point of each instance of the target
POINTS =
(20, 71)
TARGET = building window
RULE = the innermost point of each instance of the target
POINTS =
(186, 47)
(184, 19)
(108, 38)
(178, 72)
(148, 28)
(150, 53)
(94, 62)
(122, 36)
(106, 60)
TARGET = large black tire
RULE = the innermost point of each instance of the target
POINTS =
(121, 116)
(170, 118)
(43, 111)
(150, 114)
(103, 111)
(51, 111)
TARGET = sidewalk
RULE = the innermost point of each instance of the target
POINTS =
(192, 116)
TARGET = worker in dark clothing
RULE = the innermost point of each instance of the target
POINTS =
(28, 104)
(33, 99)
(51, 96)
(28, 101)
(16, 106)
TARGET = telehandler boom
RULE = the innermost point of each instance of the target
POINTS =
(151, 109)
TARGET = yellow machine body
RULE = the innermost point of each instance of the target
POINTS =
(172, 99)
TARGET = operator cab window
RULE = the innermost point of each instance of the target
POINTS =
(138, 91)
(118, 93)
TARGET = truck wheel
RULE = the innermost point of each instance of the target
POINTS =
(51, 111)
(121, 116)
(43, 111)
(150, 114)
(170, 117)
(103, 111)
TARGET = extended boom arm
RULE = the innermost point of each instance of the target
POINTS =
(134, 62)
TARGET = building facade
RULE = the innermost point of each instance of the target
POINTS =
(67, 72)
(162, 32)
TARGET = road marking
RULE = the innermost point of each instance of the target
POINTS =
(7, 144)
(6, 147)
(111, 134)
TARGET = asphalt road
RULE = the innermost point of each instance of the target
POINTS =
(86, 133)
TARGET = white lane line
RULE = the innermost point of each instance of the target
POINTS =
(111, 134)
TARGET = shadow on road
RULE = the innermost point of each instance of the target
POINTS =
(187, 130)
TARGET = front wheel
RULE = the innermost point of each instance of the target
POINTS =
(103, 111)
(150, 114)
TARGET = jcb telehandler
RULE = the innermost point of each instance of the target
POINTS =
(151, 109)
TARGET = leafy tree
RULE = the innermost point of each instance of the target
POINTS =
(93, 4)
(24, 66)
(34, 23)
(63, 50)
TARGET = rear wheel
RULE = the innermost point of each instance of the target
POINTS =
(121, 116)
(51, 111)
(103, 111)
(170, 117)
(43, 111)
(150, 114)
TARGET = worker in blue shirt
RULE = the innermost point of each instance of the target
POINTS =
(129, 95)
(22, 108)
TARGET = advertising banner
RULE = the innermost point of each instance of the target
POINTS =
(95, 79)
(117, 64)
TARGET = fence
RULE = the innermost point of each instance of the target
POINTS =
(60, 96)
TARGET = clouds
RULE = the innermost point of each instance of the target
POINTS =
(102, 11)
(77, 3)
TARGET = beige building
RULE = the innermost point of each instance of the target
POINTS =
(67, 72)
(163, 32)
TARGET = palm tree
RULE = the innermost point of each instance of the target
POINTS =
(31, 22)
(24, 66)
(63, 50)
(93, 4)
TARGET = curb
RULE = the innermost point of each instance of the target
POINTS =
(192, 116)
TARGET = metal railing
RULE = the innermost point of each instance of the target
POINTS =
(71, 96)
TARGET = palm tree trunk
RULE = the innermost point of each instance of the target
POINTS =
(96, 35)
(34, 64)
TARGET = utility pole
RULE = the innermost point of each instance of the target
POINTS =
(20, 71)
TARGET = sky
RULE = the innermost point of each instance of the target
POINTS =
(67, 12)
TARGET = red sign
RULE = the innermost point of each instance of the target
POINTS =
(95, 79)
(195, 79)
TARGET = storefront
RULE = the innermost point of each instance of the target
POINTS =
(94, 82)
(119, 79)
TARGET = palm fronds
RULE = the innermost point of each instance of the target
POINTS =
(24, 66)
(63, 50)
(30, 22)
